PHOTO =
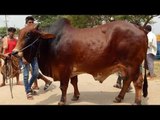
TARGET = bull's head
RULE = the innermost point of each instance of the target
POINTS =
(28, 36)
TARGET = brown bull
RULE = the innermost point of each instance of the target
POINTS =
(67, 52)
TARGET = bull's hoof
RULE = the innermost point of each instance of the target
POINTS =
(61, 103)
(136, 104)
(75, 98)
(139, 103)
(117, 100)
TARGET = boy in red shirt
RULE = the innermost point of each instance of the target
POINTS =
(9, 43)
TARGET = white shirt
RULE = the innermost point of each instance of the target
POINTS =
(152, 43)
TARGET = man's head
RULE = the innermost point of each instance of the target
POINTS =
(29, 20)
(148, 28)
(11, 31)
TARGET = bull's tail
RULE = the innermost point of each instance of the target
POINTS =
(145, 84)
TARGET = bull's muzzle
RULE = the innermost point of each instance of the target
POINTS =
(17, 53)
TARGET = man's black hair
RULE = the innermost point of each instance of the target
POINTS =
(11, 29)
(148, 28)
(29, 18)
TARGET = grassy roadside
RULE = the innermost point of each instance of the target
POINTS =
(157, 68)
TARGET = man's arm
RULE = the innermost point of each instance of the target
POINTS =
(4, 44)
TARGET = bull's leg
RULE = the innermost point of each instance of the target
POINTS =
(126, 84)
(138, 89)
(64, 74)
(63, 86)
(18, 82)
(3, 83)
(133, 75)
(74, 82)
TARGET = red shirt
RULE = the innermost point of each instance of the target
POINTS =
(11, 45)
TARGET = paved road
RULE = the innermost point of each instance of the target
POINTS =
(92, 93)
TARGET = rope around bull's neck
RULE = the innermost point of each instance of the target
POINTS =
(16, 52)
(29, 45)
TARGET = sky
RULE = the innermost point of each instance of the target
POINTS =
(18, 21)
(156, 25)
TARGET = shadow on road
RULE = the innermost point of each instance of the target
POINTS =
(91, 98)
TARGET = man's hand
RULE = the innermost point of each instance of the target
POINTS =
(7, 56)
(14, 52)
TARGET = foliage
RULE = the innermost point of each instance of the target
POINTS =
(3, 31)
(79, 21)
(83, 21)
(138, 19)
(45, 20)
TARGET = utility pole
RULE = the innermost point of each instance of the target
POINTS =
(6, 24)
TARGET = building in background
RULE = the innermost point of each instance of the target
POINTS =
(158, 47)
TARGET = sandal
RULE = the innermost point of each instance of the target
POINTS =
(117, 86)
(35, 87)
(29, 96)
(47, 85)
(34, 92)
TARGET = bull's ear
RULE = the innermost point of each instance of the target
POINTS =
(47, 35)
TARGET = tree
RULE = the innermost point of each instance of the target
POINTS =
(79, 21)
(46, 20)
(3, 31)
(137, 19)
(83, 21)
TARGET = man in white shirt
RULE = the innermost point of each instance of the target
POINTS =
(152, 51)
